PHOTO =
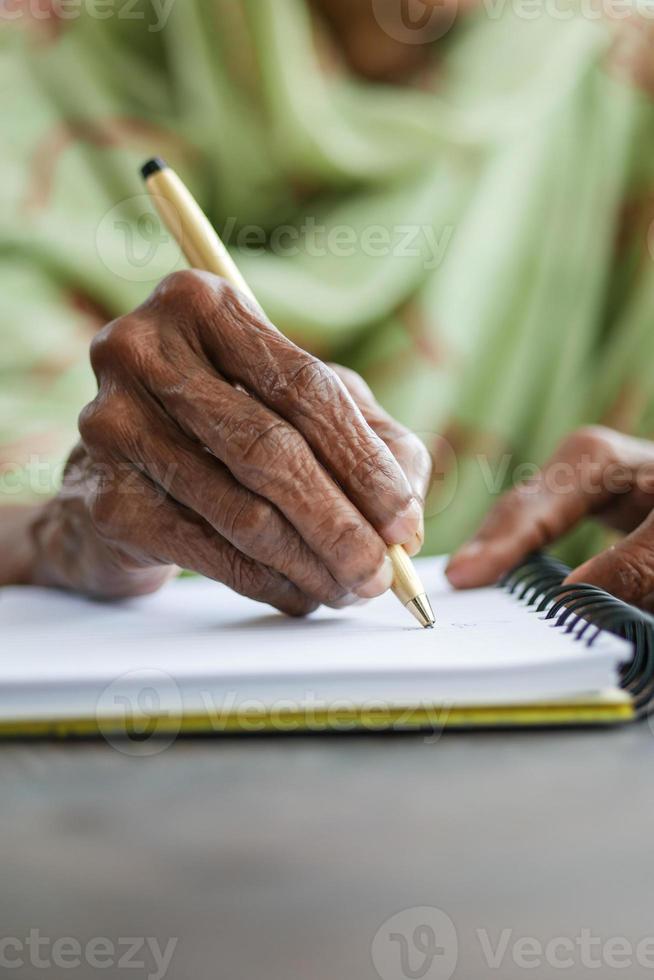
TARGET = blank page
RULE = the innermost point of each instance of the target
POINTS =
(486, 646)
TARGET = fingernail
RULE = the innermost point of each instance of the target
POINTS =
(459, 567)
(458, 576)
(467, 552)
(414, 546)
(354, 600)
(348, 600)
(379, 583)
(407, 526)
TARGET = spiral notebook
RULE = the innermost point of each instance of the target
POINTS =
(195, 657)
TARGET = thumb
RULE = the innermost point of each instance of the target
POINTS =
(626, 570)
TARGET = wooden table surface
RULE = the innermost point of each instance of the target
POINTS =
(284, 857)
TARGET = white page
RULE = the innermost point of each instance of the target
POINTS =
(485, 647)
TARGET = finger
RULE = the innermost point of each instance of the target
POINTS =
(195, 478)
(151, 528)
(569, 487)
(299, 388)
(625, 511)
(262, 451)
(272, 459)
(407, 448)
(626, 570)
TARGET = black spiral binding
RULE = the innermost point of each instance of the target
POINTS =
(586, 611)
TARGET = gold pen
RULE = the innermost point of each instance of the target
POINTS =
(199, 241)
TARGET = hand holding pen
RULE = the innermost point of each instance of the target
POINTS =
(217, 445)
(361, 461)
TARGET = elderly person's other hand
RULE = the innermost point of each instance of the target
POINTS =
(216, 444)
(595, 472)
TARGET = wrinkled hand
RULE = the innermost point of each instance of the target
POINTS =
(596, 472)
(217, 445)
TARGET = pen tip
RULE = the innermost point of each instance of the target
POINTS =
(153, 166)
(420, 608)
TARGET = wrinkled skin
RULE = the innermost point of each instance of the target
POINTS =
(216, 444)
(595, 472)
